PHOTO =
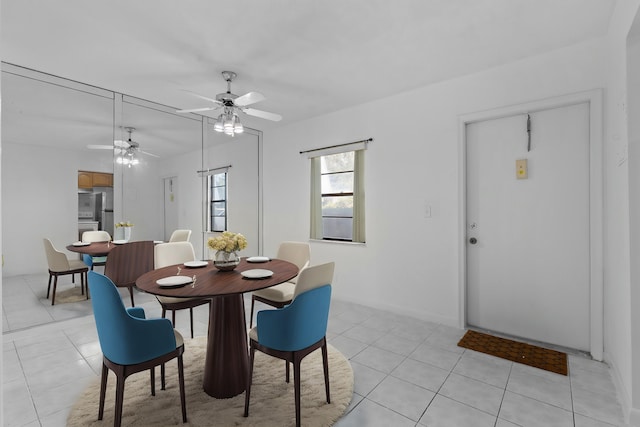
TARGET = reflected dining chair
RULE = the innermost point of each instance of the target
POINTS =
(176, 253)
(180, 236)
(127, 262)
(298, 253)
(131, 343)
(95, 236)
(295, 331)
(60, 265)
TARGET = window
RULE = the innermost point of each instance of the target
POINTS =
(217, 184)
(337, 196)
(336, 177)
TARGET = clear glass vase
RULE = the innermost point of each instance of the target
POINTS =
(226, 261)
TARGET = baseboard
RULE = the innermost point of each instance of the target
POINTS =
(403, 311)
(631, 415)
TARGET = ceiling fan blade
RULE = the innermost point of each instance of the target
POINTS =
(100, 147)
(248, 99)
(195, 110)
(215, 101)
(121, 144)
(148, 154)
(263, 114)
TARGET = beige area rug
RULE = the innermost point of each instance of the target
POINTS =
(68, 295)
(272, 400)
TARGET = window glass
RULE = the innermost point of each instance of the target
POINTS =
(218, 202)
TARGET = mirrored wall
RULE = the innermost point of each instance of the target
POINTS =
(52, 128)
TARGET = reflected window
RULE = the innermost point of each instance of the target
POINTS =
(217, 184)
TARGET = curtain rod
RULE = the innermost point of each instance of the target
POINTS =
(214, 169)
(337, 145)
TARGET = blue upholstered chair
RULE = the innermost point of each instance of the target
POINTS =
(130, 343)
(293, 332)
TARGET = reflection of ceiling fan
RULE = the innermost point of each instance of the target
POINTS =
(124, 150)
(228, 121)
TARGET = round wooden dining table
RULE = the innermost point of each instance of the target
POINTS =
(93, 249)
(226, 366)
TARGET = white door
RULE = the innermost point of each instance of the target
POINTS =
(528, 264)
(170, 206)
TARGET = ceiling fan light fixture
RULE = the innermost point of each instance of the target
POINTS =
(219, 124)
(237, 126)
(228, 124)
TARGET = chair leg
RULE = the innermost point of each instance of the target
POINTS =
(191, 319)
(162, 380)
(173, 318)
(247, 395)
(117, 420)
(86, 283)
(49, 285)
(55, 285)
(253, 302)
(103, 390)
(325, 364)
(152, 375)
(286, 367)
(81, 283)
(296, 387)
(131, 293)
(183, 400)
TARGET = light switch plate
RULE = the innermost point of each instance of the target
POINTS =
(521, 169)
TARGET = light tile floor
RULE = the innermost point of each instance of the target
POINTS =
(407, 372)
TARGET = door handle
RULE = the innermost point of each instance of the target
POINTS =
(473, 240)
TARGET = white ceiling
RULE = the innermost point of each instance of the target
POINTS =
(307, 57)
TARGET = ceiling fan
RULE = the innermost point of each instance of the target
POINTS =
(124, 150)
(228, 121)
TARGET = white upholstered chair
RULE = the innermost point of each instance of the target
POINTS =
(298, 253)
(176, 253)
(60, 265)
(95, 236)
(180, 236)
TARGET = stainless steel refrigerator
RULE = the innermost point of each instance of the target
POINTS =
(103, 208)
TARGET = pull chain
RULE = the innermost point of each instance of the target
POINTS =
(528, 132)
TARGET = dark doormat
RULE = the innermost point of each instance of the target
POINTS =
(527, 354)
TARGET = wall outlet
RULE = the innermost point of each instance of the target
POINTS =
(521, 169)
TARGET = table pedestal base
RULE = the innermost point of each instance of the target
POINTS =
(227, 364)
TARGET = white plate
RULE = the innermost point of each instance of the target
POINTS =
(258, 259)
(119, 242)
(173, 281)
(257, 273)
(196, 264)
(158, 242)
(81, 243)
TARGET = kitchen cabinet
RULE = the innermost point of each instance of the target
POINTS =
(102, 179)
(88, 179)
(85, 179)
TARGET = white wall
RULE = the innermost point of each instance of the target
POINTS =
(619, 296)
(40, 199)
(632, 116)
(409, 263)
(634, 215)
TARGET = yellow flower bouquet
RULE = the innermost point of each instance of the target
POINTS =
(226, 246)
(227, 242)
